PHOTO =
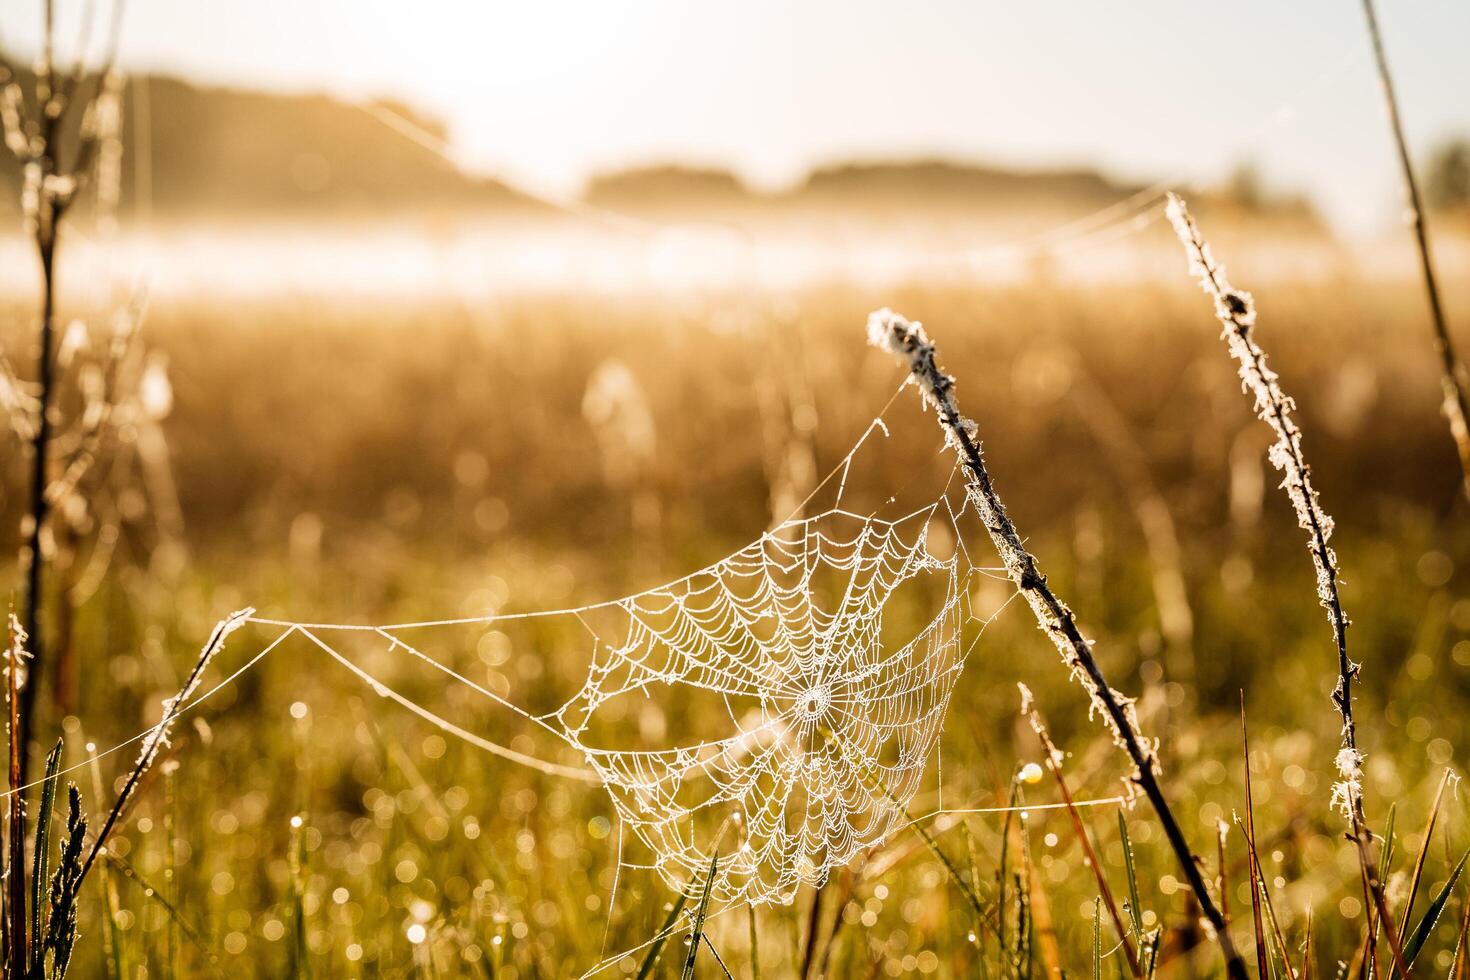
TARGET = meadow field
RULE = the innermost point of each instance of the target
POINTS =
(353, 461)
(733, 491)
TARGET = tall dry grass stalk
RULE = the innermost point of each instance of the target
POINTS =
(38, 924)
(1235, 309)
(1453, 378)
(58, 138)
(892, 333)
(1053, 757)
(157, 738)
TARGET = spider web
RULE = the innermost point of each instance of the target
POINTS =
(830, 729)
(806, 678)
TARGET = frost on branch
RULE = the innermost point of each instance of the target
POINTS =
(1236, 312)
(158, 736)
(16, 654)
(1347, 793)
(888, 331)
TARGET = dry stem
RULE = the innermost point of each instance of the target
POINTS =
(1105, 894)
(1453, 379)
(908, 341)
(1236, 312)
(157, 739)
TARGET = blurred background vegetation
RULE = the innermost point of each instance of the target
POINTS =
(462, 442)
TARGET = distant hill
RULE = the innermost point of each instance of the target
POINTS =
(919, 192)
(219, 153)
(216, 152)
(948, 184)
(667, 186)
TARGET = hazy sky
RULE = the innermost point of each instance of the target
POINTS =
(546, 92)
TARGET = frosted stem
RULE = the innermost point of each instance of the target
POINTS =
(896, 335)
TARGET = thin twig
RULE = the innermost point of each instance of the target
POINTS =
(17, 949)
(1453, 379)
(894, 334)
(49, 207)
(1053, 763)
(1252, 862)
(1424, 840)
(157, 739)
(50, 187)
(1235, 309)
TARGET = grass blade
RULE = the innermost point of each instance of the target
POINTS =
(300, 952)
(17, 955)
(1271, 919)
(660, 938)
(950, 867)
(171, 910)
(1135, 911)
(1386, 854)
(1002, 870)
(699, 914)
(1222, 881)
(1045, 928)
(1097, 939)
(1458, 967)
(755, 949)
(813, 927)
(114, 940)
(40, 860)
(972, 854)
(1262, 958)
(1419, 859)
(1104, 892)
(1306, 971)
(170, 870)
(1025, 917)
(1431, 915)
(1390, 842)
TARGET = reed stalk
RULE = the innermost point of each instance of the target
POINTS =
(907, 341)
(1453, 379)
(1053, 757)
(1235, 309)
(52, 180)
(158, 738)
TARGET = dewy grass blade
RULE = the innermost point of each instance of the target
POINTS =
(699, 915)
(650, 960)
(1432, 914)
(1135, 911)
(42, 847)
(1419, 859)
(1097, 939)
